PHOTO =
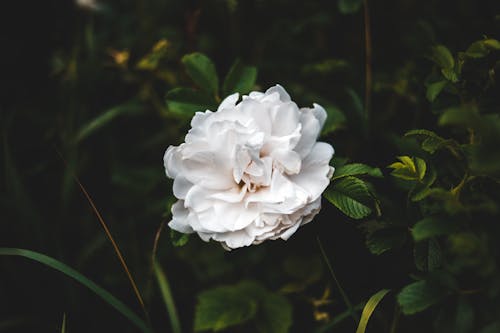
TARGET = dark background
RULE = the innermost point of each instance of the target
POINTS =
(57, 75)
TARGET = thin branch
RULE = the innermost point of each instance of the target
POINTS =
(339, 287)
(111, 239)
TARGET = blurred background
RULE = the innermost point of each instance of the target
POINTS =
(83, 93)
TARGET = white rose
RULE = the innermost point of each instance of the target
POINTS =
(251, 171)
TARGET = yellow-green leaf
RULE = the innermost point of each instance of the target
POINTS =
(443, 57)
(369, 308)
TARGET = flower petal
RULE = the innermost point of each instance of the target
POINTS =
(314, 175)
(284, 97)
(309, 133)
(179, 220)
(181, 187)
(229, 101)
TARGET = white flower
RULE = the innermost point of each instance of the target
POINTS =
(251, 171)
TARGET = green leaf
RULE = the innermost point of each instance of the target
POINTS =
(351, 195)
(410, 168)
(434, 89)
(421, 167)
(223, 307)
(99, 291)
(356, 169)
(442, 57)
(231, 305)
(450, 74)
(274, 315)
(335, 119)
(456, 317)
(385, 239)
(107, 117)
(466, 117)
(431, 227)
(202, 71)
(477, 50)
(423, 189)
(349, 6)
(178, 238)
(431, 142)
(492, 44)
(418, 296)
(186, 102)
(168, 299)
(369, 308)
(427, 255)
(240, 79)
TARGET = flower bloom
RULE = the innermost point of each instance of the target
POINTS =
(251, 171)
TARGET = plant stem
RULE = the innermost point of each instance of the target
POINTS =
(339, 287)
(395, 320)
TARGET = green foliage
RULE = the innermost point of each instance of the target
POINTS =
(351, 195)
(482, 48)
(356, 169)
(202, 71)
(431, 227)
(107, 117)
(385, 239)
(431, 142)
(443, 57)
(418, 296)
(428, 255)
(434, 89)
(186, 102)
(231, 305)
(455, 176)
(456, 317)
(178, 238)
(410, 168)
(240, 79)
(335, 120)
(168, 299)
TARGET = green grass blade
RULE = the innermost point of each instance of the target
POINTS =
(105, 118)
(167, 297)
(63, 325)
(369, 308)
(63, 268)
